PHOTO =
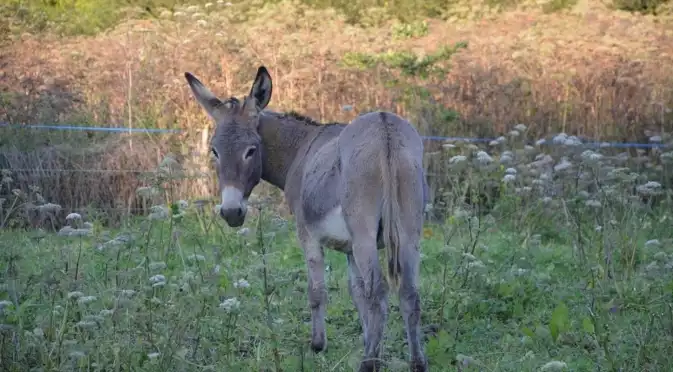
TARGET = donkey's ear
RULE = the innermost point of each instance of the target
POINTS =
(262, 87)
(205, 97)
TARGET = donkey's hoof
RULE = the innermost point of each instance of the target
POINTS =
(318, 345)
(370, 365)
(419, 365)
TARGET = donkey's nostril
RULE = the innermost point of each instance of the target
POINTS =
(239, 212)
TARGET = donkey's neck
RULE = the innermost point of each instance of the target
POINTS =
(283, 136)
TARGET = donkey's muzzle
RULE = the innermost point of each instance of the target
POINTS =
(234, 217)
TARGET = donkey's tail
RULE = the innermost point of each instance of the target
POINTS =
(390, 216)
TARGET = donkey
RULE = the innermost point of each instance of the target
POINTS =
(355, 188)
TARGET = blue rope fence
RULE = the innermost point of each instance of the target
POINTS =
(430, 138)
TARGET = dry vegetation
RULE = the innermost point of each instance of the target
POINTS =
(586, 71)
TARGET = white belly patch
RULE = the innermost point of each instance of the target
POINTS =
(332, 229)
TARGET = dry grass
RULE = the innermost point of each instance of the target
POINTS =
(588, 72)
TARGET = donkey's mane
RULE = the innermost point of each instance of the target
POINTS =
(305, 119)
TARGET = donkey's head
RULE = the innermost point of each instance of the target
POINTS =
(236, 143)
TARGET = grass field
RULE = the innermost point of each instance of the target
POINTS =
(578, 283)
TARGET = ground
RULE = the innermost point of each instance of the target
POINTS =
(189, 293)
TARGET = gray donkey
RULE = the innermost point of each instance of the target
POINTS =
(355, 188)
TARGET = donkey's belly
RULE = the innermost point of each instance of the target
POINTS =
(333, 233)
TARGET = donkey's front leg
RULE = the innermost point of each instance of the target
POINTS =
(317, 293)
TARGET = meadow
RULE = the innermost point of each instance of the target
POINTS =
(543, 250)
(569, 270)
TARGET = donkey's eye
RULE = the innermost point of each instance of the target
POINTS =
(249, 152)
(212, 149)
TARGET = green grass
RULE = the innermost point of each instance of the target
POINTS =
(494, 309)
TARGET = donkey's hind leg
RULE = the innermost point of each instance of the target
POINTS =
(410, 304)
(363, 227)
(357, 291)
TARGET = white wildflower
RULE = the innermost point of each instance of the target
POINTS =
(563, 165)
(559, 139)
(157, 278)
(37, 331)
(80, 232)
(573, 141)
(208, 5)
(506, 158)
(243, 231)
(650, 188)
(514, 133)
(660, 256)
(76, 354)
(652, 266)
(494, 143)
(217, 208)
(106, 312)
(183, 204)
(192, 8)
(520, 127)
(86, 324)
(554, 365)
(127, 292)
(84, 300)
(542, 160)
(652, 243)
(464, 360)
(509, 178)
(73, 216)
(517, 271)
(483, 157)
(469, 257)
(510, 171)
(4, 304)
(656, 139)
(153, 355)
(591, 156)
(666, 157)
(202, 22)
(196, 257)
(158, 212)
(75, 295)
(457, 159)
(241, 283)
(540, 142)
(347, 108)
(230, 304)
(49, 207)
(593, 203)
(501, 139)
(476, 265)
